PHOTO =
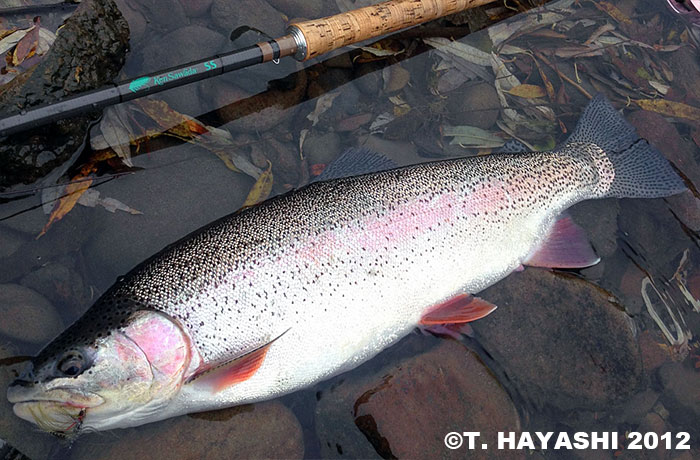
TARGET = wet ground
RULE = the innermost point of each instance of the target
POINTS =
(610, 348)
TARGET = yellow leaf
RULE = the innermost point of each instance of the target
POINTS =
(527, 91)
(261, 189)
(670, 108)
(613, 11)
(70, 197)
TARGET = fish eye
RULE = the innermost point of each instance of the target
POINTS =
(71, 364)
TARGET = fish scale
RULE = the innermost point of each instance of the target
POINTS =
(315, 282)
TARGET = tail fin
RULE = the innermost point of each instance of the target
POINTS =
(633, 168)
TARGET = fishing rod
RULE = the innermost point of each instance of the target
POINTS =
(304, 40)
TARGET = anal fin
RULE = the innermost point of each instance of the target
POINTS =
(566, 246)
(461, 308)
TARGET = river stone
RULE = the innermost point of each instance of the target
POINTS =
(561, 341)
(474, 105)
(257, 14)
(178, 47)
(20, 434)
(322, 148)
(10, 241)
(681, 396)
(405, 409)
(179, 190)
(265, 430)
(27, 315)
(60, 284)
(91, 44)
(599, 219)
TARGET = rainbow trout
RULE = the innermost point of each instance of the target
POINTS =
(313, 283)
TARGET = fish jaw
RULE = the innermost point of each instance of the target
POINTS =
(59, 411)
(132, 374)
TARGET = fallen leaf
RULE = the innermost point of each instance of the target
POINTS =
(181, 126)
(527, 91)
(354, 122)
(613, 11)
(26, 47)
(473, 137)
(323, 103)
(317, 169)
(261, 189)
(462, 50)
(395, 78)
(71, 194)
(91, 198)
(10, 40)
(670, 108)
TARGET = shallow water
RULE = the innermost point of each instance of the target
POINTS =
(612, 348)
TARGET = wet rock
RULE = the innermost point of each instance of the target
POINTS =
(650, 228)
(405, 409)
(681, 396)
(684, 63)
(137, 23)
(403, 153)
(163, 15)
(474, 105)
(92, 44)
(561, 341)
(664, 136)
(24, 215)
(195, 8)
(631, 288)
(19, 433)
(395, 78)
(308, 9)
(257, 14)
(341, 61)
(242, 111)
(61, 285)
(368, 79)
(655, 351)
(322, 148)
(639, 405)
(172, 179)
(686, 207)
(286, 167)
(10, 241)
(265, 430)
(27, 315)
(63, 237)
(183, 45)
(599, 219)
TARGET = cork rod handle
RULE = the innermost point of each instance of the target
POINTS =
(333, 32)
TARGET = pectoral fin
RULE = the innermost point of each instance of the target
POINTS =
(566, 246)
(461, 308)
(237, 370)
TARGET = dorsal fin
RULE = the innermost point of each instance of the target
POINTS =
(356, 161)
(566, 246)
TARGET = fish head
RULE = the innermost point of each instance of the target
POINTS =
(104, 379)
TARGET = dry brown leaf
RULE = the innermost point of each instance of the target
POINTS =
(261, 189)
(527, 91)
(670, 108)
(26, 47)
(548, 86)
(613, 11)
(72, 193)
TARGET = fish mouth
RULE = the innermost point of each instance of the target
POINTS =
(60, 411)
(56, 417)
